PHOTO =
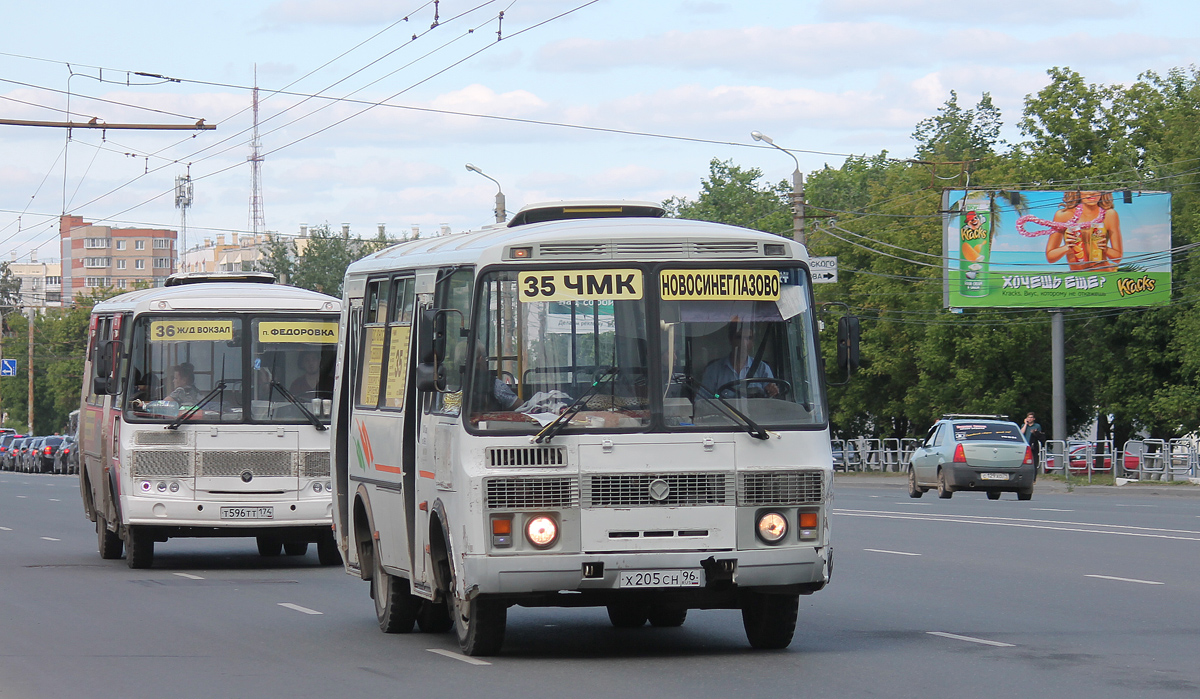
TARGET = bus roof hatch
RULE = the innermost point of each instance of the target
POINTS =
(182, 278)
(565, 210)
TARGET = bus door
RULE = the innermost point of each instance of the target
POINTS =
(96, 420)
(441, 424)
(376, 428)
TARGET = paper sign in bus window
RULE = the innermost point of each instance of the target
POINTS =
(180, 330)
(580, 285)
(719, 284)
(298, 331)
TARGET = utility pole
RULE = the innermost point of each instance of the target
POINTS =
(183, 199)
(29, 334)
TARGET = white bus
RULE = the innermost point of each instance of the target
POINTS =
(205, 412)
(589, 406)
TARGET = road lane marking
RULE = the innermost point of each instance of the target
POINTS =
(52, 499)
(1024, 524)
(50, 538)
(298, 608)
(189, 576)
(1132, 580)
(457, 656)
(5, 529)
(1047, 509)
(898, 553)
(22, 496)
(970, 639)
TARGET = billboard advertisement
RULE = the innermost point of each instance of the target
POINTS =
(1072, 249)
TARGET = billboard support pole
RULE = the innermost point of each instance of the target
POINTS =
(1058, 376)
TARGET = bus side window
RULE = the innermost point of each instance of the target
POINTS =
(99, 367)
(453, 293)
(372, 361)
(399, 339)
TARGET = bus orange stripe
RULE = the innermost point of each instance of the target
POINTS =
(387, 469)
(426, 474)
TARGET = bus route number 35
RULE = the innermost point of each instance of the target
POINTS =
(581, 285)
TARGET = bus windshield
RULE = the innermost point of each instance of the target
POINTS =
(532, 359)
(231, 368)
(738, 341)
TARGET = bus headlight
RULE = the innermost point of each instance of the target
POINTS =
(542, 531)
(772, 527)
(317, 487)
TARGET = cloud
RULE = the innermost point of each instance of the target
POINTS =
(354, 12)
(1039, 12)
(837, 48)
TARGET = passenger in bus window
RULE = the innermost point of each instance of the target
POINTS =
(183, 378)
(309, 382)
(735, 367)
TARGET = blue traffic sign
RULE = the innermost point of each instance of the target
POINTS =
(8, 367)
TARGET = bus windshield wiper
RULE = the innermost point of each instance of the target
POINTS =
(751, 426)
(556, 425)
(219, 388)
(316, 422)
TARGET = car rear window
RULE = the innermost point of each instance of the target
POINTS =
(51, 441)
(986, 432)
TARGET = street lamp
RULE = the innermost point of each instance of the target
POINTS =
(797, 189)
(500, 213)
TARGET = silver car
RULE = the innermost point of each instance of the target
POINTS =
(973, 452)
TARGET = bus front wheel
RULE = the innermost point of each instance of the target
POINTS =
(108, 542)
(770, 620)
(395, 608)
(478, 623)
(139, 547)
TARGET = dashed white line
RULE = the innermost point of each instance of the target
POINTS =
(1130, 580)
(970, 639)
(5, 529)
(189, 576)
(298, 608)
(457, 656)
(1048, 509)
(54, 499)
(897, 553)
(22, 496)
(50, 538)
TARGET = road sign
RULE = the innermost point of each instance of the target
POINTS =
(8, 367)
(824, 270)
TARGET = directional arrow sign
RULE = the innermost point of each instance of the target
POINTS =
(824, 270)
(8, 367)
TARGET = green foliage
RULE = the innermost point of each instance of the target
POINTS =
(319, 261)
(880, 217)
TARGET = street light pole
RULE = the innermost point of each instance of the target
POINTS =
(501, 214)
(798, 233)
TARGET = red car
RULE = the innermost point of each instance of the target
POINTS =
(1078, 461)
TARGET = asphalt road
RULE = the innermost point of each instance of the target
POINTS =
(1067, 595)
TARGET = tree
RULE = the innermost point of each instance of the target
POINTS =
(318, 262)
(734, 196)
(959, 134)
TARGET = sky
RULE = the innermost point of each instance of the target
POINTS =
(369, 110)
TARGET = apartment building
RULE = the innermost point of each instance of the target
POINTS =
(102, 256)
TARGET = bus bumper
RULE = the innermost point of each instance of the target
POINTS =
(807, 567)
(190, 513)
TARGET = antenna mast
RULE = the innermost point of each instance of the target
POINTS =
(257, 222)
(183, 199)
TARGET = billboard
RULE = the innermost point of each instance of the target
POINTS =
(1073, 249)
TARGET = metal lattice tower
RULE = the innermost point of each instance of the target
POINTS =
(183, 199)
(257, 221)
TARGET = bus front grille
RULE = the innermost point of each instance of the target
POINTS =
(657, 490)
(153, 464)
(314, 464)
(780, 487)
(531, 493)
(160, 437)
(508, 457)
(235, 463)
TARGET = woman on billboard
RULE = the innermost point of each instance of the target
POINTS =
(1087, 230)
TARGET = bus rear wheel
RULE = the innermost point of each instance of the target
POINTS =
(268, 545)
(625, 615)
(139, 547)
(478, 623)
(395, 608)
(327, 551)
(667, 618)
(295, 548)
(770, 620)
(109, 543)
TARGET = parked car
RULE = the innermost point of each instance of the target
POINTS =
(65, 457)
(973, 452)
(1100, 461)
(42, 460)
(12, 456)
(6, 441)
(28, 452)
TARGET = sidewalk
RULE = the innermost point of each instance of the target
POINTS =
(1043, 485)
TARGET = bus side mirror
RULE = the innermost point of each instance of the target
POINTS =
(431, 350)
(847, 343)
